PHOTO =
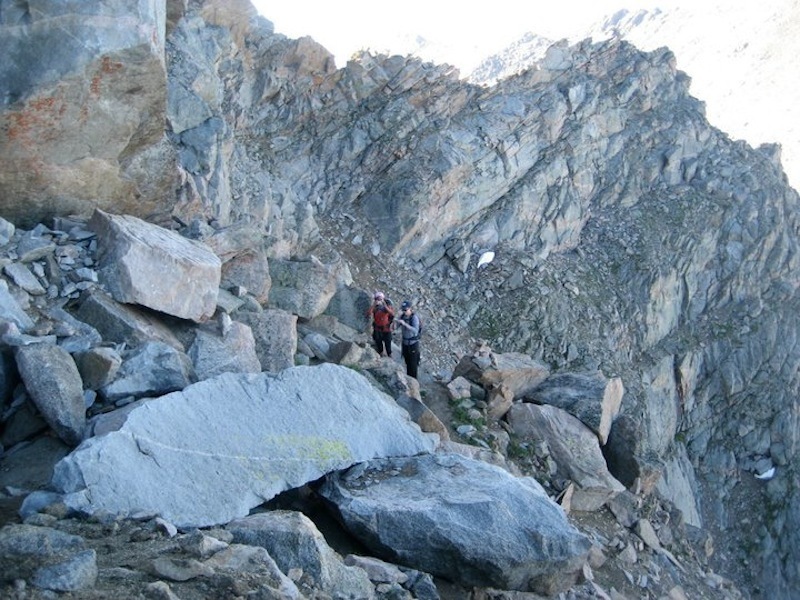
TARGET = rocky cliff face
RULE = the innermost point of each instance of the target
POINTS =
(630, 236)
(738, 55)
(83, 109)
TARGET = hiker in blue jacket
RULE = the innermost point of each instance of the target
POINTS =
(409, 325)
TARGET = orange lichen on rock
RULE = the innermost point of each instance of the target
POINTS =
(107, 67)
(36, 121)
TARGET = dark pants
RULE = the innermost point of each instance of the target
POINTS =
(383, 339)
(411, 356)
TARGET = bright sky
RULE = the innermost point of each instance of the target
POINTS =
(466, 31)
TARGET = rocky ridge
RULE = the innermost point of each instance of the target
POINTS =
(101, 532)
(738, 69)
(630, 238)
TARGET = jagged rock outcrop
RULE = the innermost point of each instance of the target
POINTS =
(630, 237)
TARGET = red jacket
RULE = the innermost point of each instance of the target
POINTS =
(382, 317)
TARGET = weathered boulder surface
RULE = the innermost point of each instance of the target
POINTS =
(305, 287)
(592, 398)
(10, 310)
(153, 369)
(518, 372)
(232, 351)
(141, 263)
(123, 323)
(98, 366)
(461, 519)
(248, 270)
(275, 335)
(82, 122)
(54, 384)
(406, 392)
(349, 305)
(295, 543)
(575, 449)
(220, 447)
(629, 235)
(53, 558)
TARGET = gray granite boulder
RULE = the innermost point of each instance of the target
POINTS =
(296, 544)
(574, 447)
(153, 369)
(591, 397)
(54, 384)
(305, 287)
(220, 447)
(141, 263)
(233, 351)
(461, 519)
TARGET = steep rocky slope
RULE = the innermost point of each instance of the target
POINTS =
(739, 55)
(113, 517)
(630, 235)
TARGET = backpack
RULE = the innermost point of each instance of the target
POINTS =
(420, 328)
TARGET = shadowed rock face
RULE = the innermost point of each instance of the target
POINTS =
(640, 240)
(447, 521)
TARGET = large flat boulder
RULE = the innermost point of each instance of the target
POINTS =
(142, 263)
(210, 453)
(461, 519)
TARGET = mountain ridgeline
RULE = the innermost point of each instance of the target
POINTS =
(630, 236)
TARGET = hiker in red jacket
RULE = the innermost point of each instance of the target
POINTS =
(382, 314)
